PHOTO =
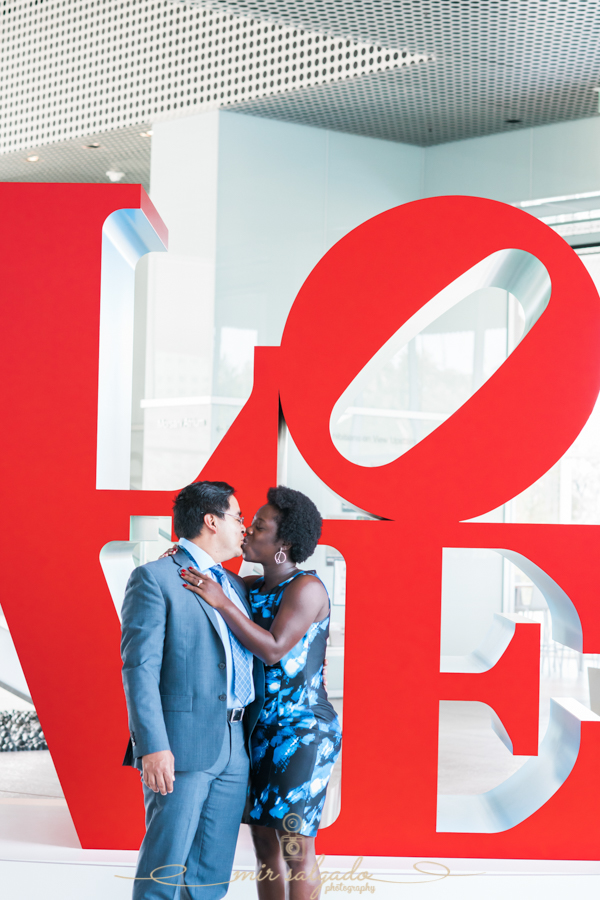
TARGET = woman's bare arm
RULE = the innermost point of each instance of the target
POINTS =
(302, 602)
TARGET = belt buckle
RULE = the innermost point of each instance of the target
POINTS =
(236, 714)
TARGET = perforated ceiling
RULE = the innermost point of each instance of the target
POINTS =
(420, 71)
(511, 32)
(430, 104)
(74, 67)
(499, 65)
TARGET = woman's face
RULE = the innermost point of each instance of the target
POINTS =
(260, 544)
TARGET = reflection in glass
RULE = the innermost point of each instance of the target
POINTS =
(570, 491)
(426, 380)
(439, 357)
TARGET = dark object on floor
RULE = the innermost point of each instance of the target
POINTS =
(21, 731)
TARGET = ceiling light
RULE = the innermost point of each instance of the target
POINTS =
(32, 158)
(94, 146)
(145, 134)
(115, 176)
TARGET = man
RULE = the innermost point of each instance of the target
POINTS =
(193, 697)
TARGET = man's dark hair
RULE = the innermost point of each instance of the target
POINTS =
(195, 501)
(299, 521)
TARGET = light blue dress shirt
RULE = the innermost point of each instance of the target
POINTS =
(203, 563)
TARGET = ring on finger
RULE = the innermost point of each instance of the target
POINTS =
(199, 582)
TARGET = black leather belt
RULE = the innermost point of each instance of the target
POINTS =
(236, 714)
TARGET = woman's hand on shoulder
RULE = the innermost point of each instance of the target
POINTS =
(205, 587)
(170, 552)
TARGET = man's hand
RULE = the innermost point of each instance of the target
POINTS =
(159, 771)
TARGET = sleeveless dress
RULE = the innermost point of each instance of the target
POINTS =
(297, 738)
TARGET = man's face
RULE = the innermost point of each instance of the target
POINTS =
(230, 531)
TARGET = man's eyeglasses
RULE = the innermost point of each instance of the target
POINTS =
(233, 516)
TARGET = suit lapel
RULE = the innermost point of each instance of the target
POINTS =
(182, 561)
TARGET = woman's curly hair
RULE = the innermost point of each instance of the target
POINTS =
(299, 521)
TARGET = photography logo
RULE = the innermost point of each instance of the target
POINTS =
(292, 845)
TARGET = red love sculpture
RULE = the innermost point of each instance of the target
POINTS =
(511, 431)
(63, 621)
(505, 437)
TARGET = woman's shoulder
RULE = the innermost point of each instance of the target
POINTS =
(306, 580)
(306, 576)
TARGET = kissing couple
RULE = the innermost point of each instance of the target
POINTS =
(228, 716)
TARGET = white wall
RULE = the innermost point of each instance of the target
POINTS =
(251, 205)
(287, 193)
(180, 302)
(534, 162)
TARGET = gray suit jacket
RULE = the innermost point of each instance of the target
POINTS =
(174, 671)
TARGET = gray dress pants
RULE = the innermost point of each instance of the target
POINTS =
(197, 827)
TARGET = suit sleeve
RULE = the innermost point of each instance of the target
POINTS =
(144, 617)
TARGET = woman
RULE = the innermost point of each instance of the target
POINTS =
(297, 738)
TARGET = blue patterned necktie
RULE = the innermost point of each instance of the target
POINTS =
(242, 664)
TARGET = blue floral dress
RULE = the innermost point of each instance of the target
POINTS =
(297, 738)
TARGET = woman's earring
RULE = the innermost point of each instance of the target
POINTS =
(280, 556)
